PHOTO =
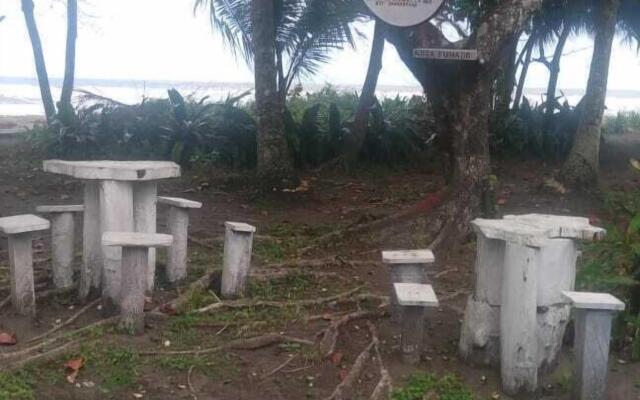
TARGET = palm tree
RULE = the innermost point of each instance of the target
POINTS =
(70, 56)
(581, 168)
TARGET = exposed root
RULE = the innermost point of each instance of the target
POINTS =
(330, 335)
(254, 343)
(280, 367)
(69, 321)
(384, 387)
(299, 303)
(46, 356)
(203, 283)
(353, 375)
(321, 263)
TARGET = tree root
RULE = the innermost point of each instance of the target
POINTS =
(353, 375)
(46, 356)
(330, 335)
(299, 303)
(384, 387)
(67, 322)
(320, 263)
(254, 343)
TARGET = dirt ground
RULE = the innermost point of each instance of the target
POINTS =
(114, 366)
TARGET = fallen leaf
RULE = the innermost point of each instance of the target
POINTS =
(137, 395)
(555, 185)
(74, 367)
(336, 358)
(7, 339)
(343, 374)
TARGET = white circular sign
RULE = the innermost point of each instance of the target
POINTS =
(404, 12)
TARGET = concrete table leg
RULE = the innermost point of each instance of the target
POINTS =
(412, 333)
(593, 334)
(92, 264)
(62, 241)
(404, 273)
(134, 282)
(145, 196)
(480, 333)
(518, 320)
(236, 263)
(116, 215)
(23, 294)
(178, 227)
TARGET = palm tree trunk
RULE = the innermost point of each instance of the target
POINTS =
(41, 68)
(70, 60)
(554, 74)
(526, 61)
(274, 163)
(581, 168)
(506, 81)
(367, 96)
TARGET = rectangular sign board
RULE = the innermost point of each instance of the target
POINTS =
(446, 54)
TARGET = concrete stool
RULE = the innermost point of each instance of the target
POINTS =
(414, 298)
(135, 257)
(594, 313)
(62, 242)
(178, 222)
(238, 241)
(407, 266)
(19, 230)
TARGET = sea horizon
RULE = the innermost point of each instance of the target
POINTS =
(21, 95)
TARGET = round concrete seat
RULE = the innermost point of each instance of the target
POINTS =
(19, 230)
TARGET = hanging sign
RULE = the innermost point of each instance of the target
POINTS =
(404, 13)
(446, 54)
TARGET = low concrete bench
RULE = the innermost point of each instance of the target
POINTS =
(19, 230)
(238, 242)
(407, 266)
(62, 242)
(135, 258)
(178, 222)
(414, 298)
(594, 313)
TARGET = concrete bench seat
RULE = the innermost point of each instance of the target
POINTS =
(178, 222)
(414, 298)
(62, 241)
(594, 313)
(238, 244)
(19, 230)
(406, 266)
(135, 257)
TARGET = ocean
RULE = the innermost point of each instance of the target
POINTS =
(21, 96)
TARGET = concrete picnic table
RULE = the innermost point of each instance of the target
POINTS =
(517, 316)
(119, 196)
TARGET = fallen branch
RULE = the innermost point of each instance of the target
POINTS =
(238, 344)
(69, 321)
(353, 374)
(383, 389)
(265, 303)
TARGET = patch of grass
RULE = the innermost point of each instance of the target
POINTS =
(217, 366)
(115, 366)
(290, 287)
(269, 251)
(16, 386)
(423, 386)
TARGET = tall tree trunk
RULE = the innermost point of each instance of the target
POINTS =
(367, 96)
(274, 163)
(581, 168)
(70, 56)
(460, 96)
(554, 74)
(41, 68)
(526, 61)
(507, 79)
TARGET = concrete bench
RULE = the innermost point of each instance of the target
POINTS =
(62, 242)
(406, 266)
(178, 222)
(414, 298)
(238, 242)
(594, 313)
(19, 230)
(135, 257)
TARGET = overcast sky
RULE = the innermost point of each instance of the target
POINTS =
(162, 40)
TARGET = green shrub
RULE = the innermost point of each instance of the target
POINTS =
(623, 122)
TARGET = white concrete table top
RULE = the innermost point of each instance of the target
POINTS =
(408, 257)
(512, 231)
(22, 224)
(562, 226)
(240, 227)
(594, 301)
(178, 202)
(114, 170)
(60, 209)
(415, 294)
(136, 239)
